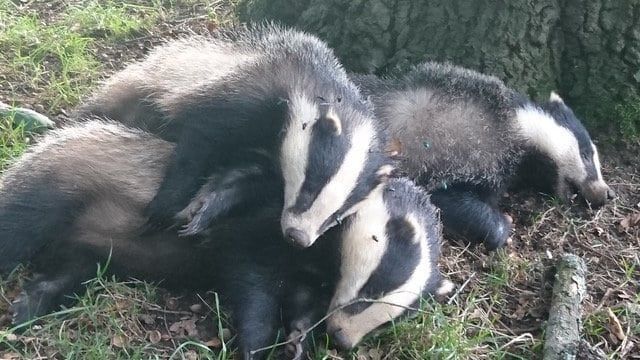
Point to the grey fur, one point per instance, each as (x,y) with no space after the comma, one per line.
(453,124)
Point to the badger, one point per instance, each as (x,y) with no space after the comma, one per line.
(262,87)
(77,198)
(462,135)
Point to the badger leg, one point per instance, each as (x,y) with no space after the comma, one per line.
(238,191)
(304,307)
(256,314)
(49,290)
(473,216)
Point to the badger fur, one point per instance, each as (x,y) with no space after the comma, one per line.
(83,203)
(262,87)
(462,135)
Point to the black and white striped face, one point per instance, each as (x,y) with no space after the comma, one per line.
(389,255)
(555,131)
(331,160)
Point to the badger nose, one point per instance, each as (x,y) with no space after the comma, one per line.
(611,194)
(297,237)
(340,340)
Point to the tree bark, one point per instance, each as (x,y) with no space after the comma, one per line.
(562,335)
(588,50)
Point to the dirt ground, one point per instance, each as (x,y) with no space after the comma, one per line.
(519,285)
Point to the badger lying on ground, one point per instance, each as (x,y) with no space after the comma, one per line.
(462,135)
(84,202)
(279,91)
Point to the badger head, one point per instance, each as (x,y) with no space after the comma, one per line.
(558,134)
(389,252)
(331,158)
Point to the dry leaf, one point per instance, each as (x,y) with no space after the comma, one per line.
(191,355)
(184,327)
(615,326)
(147,319)
(119,341)
(629,221)
(10,356)
(225,334)
(196,308)
(154,336)
(375,354)
(213,343)
(172,303)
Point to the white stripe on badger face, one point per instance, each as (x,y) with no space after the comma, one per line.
(295,146)
(554,140)
(360,253)
(596,162)
(394,303)
(335,193)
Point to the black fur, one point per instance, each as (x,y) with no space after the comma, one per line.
(111,172)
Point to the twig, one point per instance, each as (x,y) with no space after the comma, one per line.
(461,288)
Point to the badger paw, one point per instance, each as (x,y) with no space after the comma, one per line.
(200,214)
(296,340)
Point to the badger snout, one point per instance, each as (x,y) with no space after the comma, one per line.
(597,193)
(340,339)
(297,237)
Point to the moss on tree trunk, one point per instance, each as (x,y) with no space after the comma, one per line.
(589,50)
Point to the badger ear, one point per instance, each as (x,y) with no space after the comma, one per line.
(331,122)
(554,97)
(394,148)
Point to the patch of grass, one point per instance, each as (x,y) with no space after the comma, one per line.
(460,330)
(112,320)
(113,20)
(13,141)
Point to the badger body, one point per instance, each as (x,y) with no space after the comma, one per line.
(262,87)
(464,135)
(95,182)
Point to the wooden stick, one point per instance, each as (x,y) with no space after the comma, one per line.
(562,337)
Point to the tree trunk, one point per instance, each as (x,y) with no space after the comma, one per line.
(588,50)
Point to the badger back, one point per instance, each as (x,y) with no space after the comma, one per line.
(448,124)
(389,254)
(47,187)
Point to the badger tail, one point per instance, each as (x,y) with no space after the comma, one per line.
(33,213)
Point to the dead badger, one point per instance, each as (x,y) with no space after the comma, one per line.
(463,134)
(78,198)
(263,87)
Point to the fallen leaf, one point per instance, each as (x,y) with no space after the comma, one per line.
(172,303)
(154,336)
(184,327)
(225,334)
(10,356)
(119,341)
(629,221)
(375,354)
(196,308)
(614,324)
(147,319)
(213,343)
(191,355)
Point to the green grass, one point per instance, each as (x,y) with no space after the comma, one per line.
(55,57)
(13,141)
